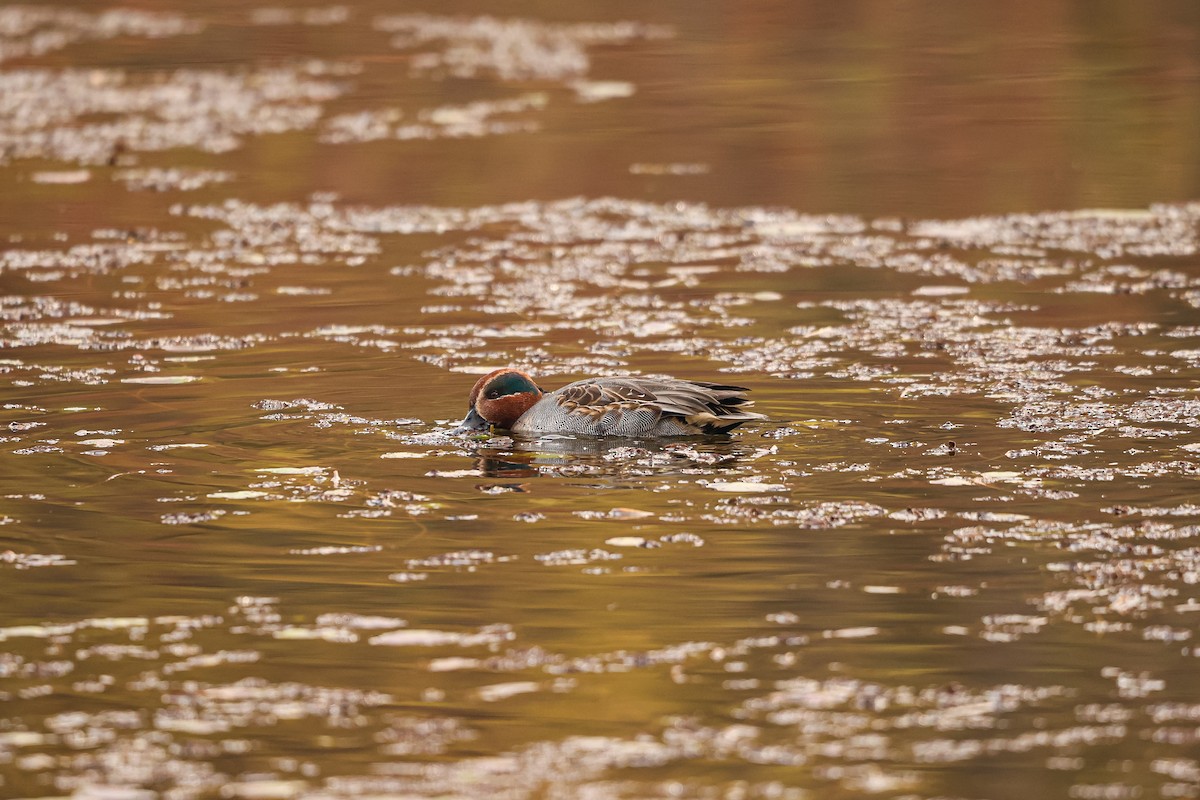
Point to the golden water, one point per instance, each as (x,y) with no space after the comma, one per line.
(252,259)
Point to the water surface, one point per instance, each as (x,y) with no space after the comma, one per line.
(253,258)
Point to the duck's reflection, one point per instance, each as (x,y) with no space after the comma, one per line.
(524,457)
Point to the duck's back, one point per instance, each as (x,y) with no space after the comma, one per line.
(636,406)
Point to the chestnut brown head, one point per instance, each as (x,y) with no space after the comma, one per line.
(499,398)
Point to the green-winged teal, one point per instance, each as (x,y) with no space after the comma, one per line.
(618,406)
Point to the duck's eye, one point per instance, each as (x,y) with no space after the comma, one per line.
(493,394)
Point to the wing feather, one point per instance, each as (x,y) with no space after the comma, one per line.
(707,407)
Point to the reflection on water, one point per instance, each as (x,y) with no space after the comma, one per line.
(252,259)
(518,456)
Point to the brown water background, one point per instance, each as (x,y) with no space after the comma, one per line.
(252,259)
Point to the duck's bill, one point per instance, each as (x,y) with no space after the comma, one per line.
(473,423)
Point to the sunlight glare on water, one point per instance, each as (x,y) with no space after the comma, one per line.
(253,258)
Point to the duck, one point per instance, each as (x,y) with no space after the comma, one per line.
(623,405)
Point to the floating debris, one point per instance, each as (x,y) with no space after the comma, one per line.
(746,486)
(34,560)
(162,380)
(170,180)
(222,109)
(674,169)
(630,541)
(30,31)
(62,176)
(245,494)
(502,691)
(507,49)
(414,637)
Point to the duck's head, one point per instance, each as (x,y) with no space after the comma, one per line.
(499,398)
